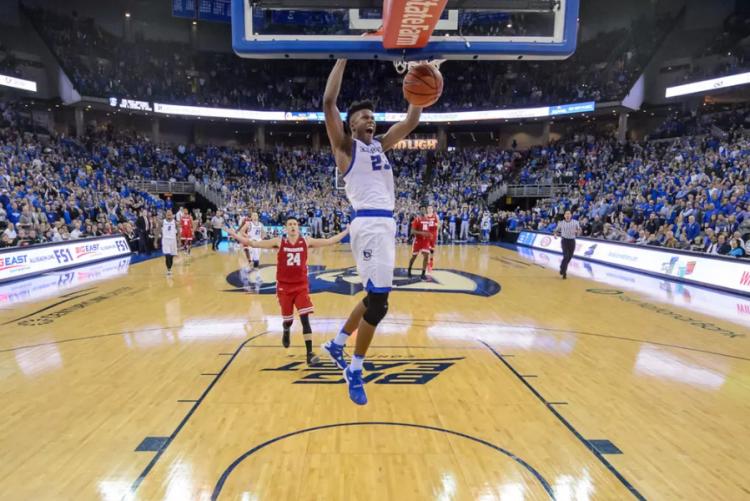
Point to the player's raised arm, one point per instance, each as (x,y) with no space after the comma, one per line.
(341,143)
(324,242)
(258,244)
(400,130)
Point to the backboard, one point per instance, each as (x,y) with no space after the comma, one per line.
(467,29)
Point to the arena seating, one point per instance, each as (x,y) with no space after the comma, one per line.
(687,193)
(103,65)
(62,188)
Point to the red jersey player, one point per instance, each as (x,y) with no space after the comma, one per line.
(186,230)
(434,228)
(425,233)
(292,286)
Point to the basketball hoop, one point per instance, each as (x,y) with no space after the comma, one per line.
(403,66)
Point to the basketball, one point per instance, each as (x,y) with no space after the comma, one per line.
(423,85)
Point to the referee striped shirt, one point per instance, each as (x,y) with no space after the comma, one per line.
(569,229)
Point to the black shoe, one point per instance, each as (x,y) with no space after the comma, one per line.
(312,359)
(423,276)
(561,272)
(285,338)
(565,276)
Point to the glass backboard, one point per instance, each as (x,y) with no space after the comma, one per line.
(508,29)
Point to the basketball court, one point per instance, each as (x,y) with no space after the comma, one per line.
(494,380)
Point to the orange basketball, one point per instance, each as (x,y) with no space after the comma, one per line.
(423,85)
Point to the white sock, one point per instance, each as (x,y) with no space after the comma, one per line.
(356,364)
(341,338)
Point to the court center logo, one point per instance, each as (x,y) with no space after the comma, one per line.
(392,370)
(346,281)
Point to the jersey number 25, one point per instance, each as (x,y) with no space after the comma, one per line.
(377,163)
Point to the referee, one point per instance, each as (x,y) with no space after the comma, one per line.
(569,229)
(217,223)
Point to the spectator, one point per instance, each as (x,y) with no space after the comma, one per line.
(722,247)
(736,249)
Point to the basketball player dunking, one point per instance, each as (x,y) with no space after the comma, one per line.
(292,285)
(361,159)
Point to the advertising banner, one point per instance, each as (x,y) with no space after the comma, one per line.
(719,272)
(17,83)
(713,84)
(389,117)
(700,299)
(20,262)
(55,283)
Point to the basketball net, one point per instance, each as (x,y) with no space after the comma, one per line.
(403,66)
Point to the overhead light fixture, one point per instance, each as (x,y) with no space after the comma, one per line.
(127,15)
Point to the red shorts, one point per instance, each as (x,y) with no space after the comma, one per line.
(421,245)
(186,235)
(289,298)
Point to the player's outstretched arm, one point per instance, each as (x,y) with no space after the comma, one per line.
(341,143)
(258,244)
(400,130)
(324,242)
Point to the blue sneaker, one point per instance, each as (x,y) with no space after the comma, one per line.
(356,386)
(336,352)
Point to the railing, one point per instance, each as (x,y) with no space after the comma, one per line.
(536,190)
(497,193)
(716,131)
(177,187)
(216,197)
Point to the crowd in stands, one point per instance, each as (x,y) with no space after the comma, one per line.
(736,27)
(689,193)
(303,185)
(728,53)
(103,65)
(8,62)
(715,119)
(59,189)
